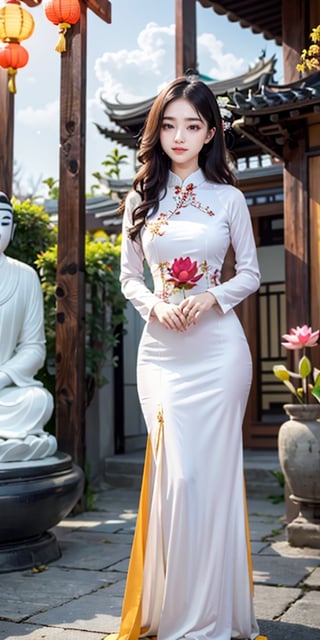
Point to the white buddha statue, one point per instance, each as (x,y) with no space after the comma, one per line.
(25,405)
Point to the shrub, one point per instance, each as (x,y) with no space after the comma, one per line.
(104,303)
(35,243)
(34,232)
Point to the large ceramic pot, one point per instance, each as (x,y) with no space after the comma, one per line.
(299,456)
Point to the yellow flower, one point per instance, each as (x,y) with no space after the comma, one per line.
(310,58)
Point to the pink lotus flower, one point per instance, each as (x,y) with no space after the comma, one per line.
(183,273)
(300,337)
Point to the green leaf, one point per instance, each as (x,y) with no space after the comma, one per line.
(316,392)
(304,367)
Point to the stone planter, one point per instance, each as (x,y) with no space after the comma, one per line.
(299,456)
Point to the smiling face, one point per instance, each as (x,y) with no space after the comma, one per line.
(182,136)
(6,226)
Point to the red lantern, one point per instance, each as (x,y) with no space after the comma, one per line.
(63,13)
(13,56)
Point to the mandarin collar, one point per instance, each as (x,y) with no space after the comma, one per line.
(196,178)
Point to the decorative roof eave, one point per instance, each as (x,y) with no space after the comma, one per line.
(133,114)
(261,73)
(275,129)
(270,118)
(257,16)
(251,79)
(126,139)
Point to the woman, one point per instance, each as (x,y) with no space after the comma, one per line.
(189,574)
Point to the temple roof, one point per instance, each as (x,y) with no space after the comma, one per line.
(260,17)
(271,117)
(130,117)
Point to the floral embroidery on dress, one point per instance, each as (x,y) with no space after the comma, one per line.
(156,227)
(183,274)
(186,196)
(212,275)
(183,196)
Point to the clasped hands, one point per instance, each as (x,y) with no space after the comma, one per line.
(180,317)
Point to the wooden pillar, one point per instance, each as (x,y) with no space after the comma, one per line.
(295,31)
(186,36)
(6,134)
(70,347)
(314,208)
(296,234)
(299,175)
(314,200)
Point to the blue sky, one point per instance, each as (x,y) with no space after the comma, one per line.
(132,58)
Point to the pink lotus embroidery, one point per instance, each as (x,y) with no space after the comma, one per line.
(183,273)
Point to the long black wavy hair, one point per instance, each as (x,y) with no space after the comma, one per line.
(151,178)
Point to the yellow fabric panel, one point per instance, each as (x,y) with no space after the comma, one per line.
(131,609)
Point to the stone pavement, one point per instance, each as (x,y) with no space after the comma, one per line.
(79,596)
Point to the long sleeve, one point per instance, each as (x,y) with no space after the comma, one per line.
(132,275)
(247,278)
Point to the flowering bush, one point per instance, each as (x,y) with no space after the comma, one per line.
(300,338)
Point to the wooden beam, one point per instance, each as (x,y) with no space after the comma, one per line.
(6,134)
(102,8)
(186,35)
(70,291)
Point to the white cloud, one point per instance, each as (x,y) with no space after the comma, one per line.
(136,74)
(47,116)
(132,75)
(214,62)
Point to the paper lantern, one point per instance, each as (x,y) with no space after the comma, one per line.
(13,56)
(16,23)
(63,13)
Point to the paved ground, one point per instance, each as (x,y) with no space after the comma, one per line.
(78,597)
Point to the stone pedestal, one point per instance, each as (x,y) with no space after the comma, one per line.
(34,497)
(299,456)
(304,532)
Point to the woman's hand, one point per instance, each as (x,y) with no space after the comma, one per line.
(170,315)
(193,307)
(188,312)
